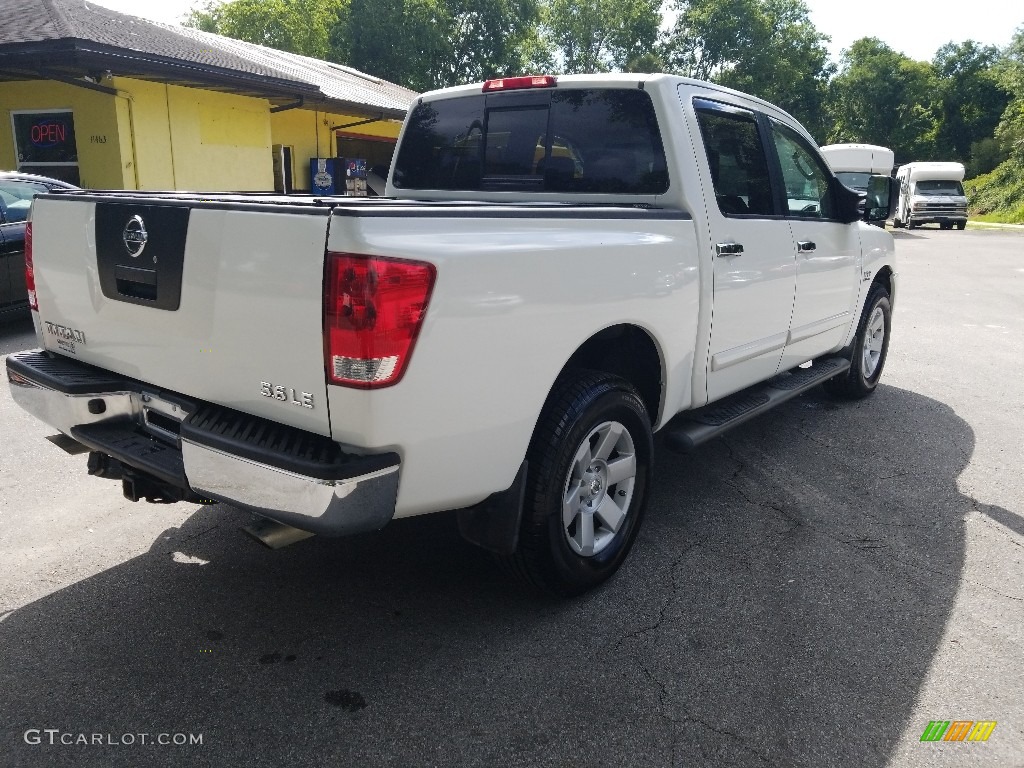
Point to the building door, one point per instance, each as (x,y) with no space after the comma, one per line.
(284,177)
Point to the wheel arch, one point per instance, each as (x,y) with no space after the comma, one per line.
(631,352)
(624,349)
(887,279)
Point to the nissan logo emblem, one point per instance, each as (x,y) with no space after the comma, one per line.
(135,236)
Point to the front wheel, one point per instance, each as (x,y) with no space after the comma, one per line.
(961,225)
(870,348)
(589,469)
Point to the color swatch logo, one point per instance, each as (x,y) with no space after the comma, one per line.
(958,730)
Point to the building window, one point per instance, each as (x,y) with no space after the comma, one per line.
(44,141)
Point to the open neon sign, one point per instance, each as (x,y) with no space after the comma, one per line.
(45,139)
(48,133)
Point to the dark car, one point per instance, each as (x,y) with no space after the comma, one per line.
(16,193)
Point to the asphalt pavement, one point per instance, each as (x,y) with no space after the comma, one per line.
(811,590)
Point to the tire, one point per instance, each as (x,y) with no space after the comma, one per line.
(961,225)
(578,526)
(946,225)
(897,223)
(870,348)
(910,224)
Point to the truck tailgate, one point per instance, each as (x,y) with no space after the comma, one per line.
(222,302)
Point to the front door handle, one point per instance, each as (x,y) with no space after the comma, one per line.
(806,246)
(729,249)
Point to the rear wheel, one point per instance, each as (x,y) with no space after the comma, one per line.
(589,469)
(870,348)
(961,224)
(946,225)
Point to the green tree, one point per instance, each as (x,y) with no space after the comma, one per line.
(883,97)
(397,40)
(296,26)
(601,35)
(1002,191)
(488,38)
(1009,72)
(971,99)
(421,44)
(427,44)
(769,48)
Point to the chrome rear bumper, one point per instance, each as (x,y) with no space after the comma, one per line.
(285,474)
(365,502)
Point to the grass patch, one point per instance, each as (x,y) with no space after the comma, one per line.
(999,218)
(998,196)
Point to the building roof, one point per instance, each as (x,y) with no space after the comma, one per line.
(67,39)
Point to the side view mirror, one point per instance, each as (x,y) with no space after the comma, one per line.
(849,202)
(879,198)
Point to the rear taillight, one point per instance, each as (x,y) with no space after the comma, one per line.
(373,311)
(30,273)
(518,83)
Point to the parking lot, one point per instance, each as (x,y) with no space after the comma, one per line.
(811,590)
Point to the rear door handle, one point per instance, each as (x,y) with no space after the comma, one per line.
(806,246)
(729,249)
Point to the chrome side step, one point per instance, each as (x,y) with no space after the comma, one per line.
(693,428)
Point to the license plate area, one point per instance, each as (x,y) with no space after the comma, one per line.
(159,416)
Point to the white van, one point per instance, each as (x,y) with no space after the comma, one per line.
(931,193)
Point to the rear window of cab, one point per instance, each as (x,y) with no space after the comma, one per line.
(563,140)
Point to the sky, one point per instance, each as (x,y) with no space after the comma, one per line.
(914,27)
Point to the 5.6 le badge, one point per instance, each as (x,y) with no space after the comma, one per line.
(286,394)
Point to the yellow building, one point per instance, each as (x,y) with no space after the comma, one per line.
(111,101)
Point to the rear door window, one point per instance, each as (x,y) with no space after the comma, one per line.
(576,141)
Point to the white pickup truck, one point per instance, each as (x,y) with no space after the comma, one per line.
(562,266)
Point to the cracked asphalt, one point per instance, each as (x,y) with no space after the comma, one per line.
(811,590)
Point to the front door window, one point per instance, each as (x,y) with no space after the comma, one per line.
(808,193)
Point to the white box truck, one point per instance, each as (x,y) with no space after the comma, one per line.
(859,167)
(931,193)
(855,164)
